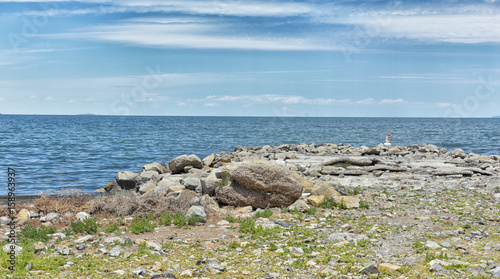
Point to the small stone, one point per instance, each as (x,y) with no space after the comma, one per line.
(29,266)
(187,273)
(157,267)
(311,263)
(12,247)
(283,224)
(272,275)
(297,250)
(388,266)
(37,247)
(371,269)
(120,272)
(115,252)
(82,216)
(432,245)
(445,244)
(223,223)
(164,275)
(139,271)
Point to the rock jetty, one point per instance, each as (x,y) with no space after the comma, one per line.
(287,211)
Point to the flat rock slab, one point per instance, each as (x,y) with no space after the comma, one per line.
(357,161)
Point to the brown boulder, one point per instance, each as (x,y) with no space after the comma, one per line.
(260,186)
(178,163)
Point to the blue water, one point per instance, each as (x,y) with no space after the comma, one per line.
(51,152)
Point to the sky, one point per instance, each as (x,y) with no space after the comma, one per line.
(251,58)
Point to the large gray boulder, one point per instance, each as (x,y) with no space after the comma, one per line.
(147,177)
(260,186)
(127,180)
(157,167)
(178,163)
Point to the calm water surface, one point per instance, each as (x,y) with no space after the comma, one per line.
(51,152)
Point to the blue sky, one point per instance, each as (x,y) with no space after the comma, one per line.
(251,58)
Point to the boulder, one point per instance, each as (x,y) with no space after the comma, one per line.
(315,200)
(299,205)
(260,186)
(306,184)
(23,217)
(372,151)
(357,161)
(178,163)
(197,210)
(157,167)
(147,177)
(127,180)
(457,153)
(146,187)
(350,202)
(210,183)
(324,189)
(112,187)
(209,160)
(192,183)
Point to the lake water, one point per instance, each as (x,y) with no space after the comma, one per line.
(52,152)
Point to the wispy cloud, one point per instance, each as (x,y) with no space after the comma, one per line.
(246,100)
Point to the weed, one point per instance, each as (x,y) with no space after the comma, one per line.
(311,211)
(194,219)
(224,182)
(273,247)
(263,214)
(231,219)
(111,228)
(332,203)
(234,245)
(89,226)
(36,234)
(145,224)
(363,204)
(67,231)
(165,219)
(247,226)
(179,219)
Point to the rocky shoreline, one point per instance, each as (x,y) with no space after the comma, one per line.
(289,211)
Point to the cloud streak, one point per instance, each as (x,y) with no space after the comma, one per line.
(214,100)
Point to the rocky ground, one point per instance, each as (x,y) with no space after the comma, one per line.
(288,211)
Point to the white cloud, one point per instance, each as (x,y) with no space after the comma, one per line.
(219,8)
(193,35)
(391,101)
(264,99)
(367,101)
(49,98)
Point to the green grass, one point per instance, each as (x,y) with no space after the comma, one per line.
(179,219)
(144,224)
(224,182)
(233,245)
(89,226)
(165,219)
(263,214)
(311,210)
(332,203)
(194,219)
(231,219)
(247,226)
(31,233)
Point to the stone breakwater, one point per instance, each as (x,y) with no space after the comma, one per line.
(274,176)
(291,211)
